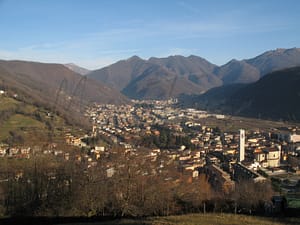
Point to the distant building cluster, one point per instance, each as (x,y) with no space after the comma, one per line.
(226,157)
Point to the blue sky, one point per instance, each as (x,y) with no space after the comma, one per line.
(96,33)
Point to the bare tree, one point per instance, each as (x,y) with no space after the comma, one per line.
(249,196)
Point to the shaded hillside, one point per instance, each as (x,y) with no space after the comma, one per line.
(192,69)
(120,74)
(237,72)
(275,96)
(196,75)
(251,70)
(131,76)
(185,65)
(158,83)
(54,83)
(216,99)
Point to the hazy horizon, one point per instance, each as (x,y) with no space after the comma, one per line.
(95,34)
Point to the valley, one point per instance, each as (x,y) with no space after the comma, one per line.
(81,137)
(150,112)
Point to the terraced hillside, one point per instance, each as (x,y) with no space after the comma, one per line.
(24,124)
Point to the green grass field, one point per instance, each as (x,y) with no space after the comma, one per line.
(20,123)
(30,122)
(8,103)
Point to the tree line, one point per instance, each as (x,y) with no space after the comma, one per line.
(137,187)
(165,139)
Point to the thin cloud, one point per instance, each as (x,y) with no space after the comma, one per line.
(97,49)
(188,7)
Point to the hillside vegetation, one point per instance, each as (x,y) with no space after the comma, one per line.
(54,86)
(26,124)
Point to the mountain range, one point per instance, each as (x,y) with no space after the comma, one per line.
(218,88)
(274,96)
(77,69)
(54,86)
(162,78)
(159,78)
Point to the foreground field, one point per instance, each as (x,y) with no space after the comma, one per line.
(203,219)
(223,219)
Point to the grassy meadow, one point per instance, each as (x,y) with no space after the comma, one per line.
(202,219)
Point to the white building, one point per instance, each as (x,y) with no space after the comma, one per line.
(242,145)
(294,138)
(268,157)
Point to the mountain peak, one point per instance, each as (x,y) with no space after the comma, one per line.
(277,59)
(70,64)
(77,69)
(195,57)
(280,49)
(151,77)
(233,61)
(134,58)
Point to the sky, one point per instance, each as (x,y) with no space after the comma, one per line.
(96,33)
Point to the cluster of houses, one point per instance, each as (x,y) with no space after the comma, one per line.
(129,121)
(16,152)
(224,156)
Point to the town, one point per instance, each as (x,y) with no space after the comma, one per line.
(266,150)
(167,137)
(226,157)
